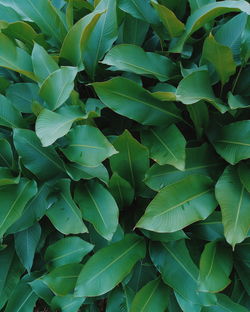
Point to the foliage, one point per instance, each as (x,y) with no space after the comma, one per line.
(124,155)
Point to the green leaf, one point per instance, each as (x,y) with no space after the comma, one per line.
(98,207)
(132,58)
(199,160)
(13,199)
(44,14)
(232,141)
(225,304)
(81,29)
(205,14)
(101,37)
(132,161)
(23,299)
(179,271)
(65,251)
(220,56)
(234,201)
(6,155)
(51,126)
(43,63)
(140,9)
(109,265)
(43,162)
(57,88)
(127,98)
(14,58)
(196,4)
(62,279)
(187,305)
(6,177)
(8,14)
(87,146)
(166,146)
(179,205)
(165,237)
(22,95)
(9,116)
(26,243)
(152,297)
(215,267)
(173,25)
(121,190)
(42,290)
(67,303)
(70,220)
(196,87)
(199,114)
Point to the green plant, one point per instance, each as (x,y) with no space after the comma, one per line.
(124,155)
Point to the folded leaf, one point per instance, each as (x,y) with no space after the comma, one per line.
(127,98)
(225,304)
(110,265)
(132,58)
(179,205)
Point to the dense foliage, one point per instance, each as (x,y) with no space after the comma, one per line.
(124,155)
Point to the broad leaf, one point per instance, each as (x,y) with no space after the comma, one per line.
(234,201)
(132,161)
(70,221)
(152,297)
(56,89)
(98,207)
(66,250)
(13,199)
(9,116)
(6,155)
(121,190)
(127,98)
(166,146)
(225,304)
(215,267)
(67,303)
(179,204)
(26,243)
(43,162)
(132,58)
(220,57)
(87,146)
(109,265)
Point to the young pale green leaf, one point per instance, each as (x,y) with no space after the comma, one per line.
(65,251)
(100,37)
(166,146)
(179,271)
(220,56)
(45,15)
(121,190)
(140,9)
(234,201)
(207,13)
(22,299)
(98,207)
(216,264)
(232,142)
(132,58)
(62,279)
(152,297)
(14,199)
(179,205)
(129,99)
(78,172)
(132,161)
(199,160)
(43,63)
(225,304)
(22,95)
(26,243)
(58,86)
(51,126)
(9,115)
(109,266)
(64,213)
(87,146)
(196,87)
(173,25)
(14,58)
(43,162)
(67,303)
